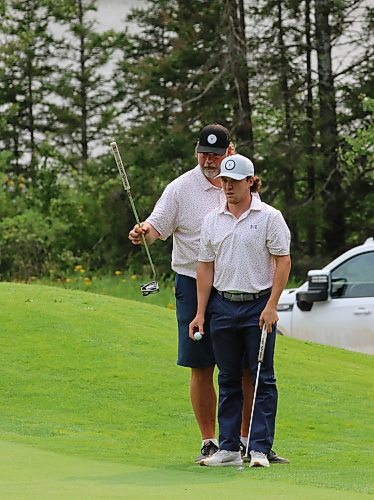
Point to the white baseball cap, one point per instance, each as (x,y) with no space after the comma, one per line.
(237,167)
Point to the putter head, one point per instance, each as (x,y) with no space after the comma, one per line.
(148,288)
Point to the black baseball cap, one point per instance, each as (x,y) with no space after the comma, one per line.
(213,138)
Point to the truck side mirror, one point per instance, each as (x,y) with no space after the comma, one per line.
(318,290)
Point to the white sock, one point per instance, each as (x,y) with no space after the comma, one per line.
(206,441)
(244,440)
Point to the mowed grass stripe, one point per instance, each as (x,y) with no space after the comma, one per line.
(94,376)
(29,473)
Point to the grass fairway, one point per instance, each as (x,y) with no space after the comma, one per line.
(93,406)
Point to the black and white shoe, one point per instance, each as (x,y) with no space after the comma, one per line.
(207,450)
(276,459)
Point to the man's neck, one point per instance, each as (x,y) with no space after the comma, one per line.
(238,209)
(214,181)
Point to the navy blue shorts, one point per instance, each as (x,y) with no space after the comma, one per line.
(191,353)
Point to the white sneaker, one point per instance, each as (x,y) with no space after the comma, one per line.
(259,459)
(223,458)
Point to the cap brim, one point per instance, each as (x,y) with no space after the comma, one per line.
(211,149)
(236,177)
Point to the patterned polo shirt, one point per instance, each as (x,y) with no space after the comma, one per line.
(180,212)
(242,248)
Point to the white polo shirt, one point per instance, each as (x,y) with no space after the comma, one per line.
(242,248)
(180,212)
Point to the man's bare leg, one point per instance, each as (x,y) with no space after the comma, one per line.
(204,400)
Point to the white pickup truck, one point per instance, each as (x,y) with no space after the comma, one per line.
(336,305)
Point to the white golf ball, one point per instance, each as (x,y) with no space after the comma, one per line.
(197,336)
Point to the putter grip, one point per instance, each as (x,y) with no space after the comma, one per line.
(261,351)
(120,166)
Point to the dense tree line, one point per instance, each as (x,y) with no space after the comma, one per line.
(290,79)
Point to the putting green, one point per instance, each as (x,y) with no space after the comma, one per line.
(93,406)
(28,473)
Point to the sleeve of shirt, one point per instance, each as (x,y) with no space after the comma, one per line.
(206,253)
(164,215)
(279,236)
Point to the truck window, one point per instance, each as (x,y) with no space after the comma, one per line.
(354,277)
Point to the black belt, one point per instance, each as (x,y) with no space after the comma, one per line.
(242,297)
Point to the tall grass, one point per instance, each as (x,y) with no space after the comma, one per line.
(120,284)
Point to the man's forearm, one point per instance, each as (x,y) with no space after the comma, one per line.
(204,275)
(144,229)
(281,274)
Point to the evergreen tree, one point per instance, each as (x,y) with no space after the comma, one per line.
(84,107)
(334,222)
(238,56)
(310,135)
(25,80)
(176,78)
(274,37)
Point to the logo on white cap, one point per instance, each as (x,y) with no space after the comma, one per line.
(212,139)
(230,165)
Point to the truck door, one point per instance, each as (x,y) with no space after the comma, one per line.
(346,319)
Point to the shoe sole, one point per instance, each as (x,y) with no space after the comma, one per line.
(277,460)
(257,464)
(223,464)
(199,459)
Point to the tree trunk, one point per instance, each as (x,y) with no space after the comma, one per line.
(311,222)
(242,127)
(83,88)
(289,184)
(334,229)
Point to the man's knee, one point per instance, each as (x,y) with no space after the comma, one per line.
(202,375)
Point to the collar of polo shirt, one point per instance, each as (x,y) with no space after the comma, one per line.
(256,204)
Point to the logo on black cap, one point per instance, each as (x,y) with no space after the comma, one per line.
(214,138)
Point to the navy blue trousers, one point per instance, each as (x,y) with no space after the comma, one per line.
(235,333)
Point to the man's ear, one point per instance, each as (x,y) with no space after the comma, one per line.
(230,150)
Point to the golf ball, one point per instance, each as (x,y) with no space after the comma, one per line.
(197,336)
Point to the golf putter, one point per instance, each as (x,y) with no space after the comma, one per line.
(152,286)
(260,359)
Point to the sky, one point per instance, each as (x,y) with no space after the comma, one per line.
(111,13)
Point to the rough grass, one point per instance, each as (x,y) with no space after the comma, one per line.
(92,377)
